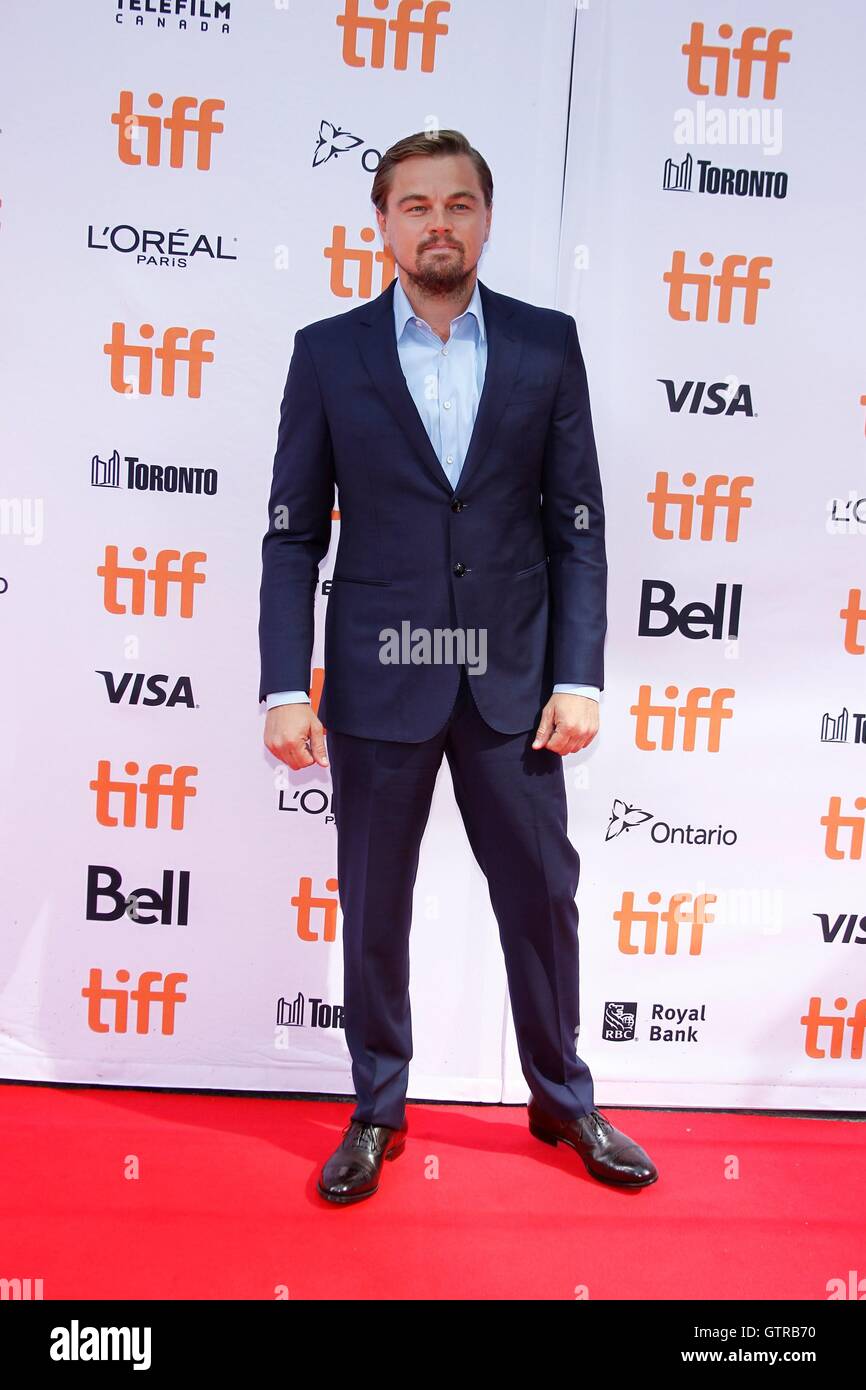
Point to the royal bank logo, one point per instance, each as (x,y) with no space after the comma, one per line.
(619,1021)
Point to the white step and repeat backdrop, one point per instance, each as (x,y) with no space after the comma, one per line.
(186,184)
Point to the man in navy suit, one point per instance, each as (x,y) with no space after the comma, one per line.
(467,617)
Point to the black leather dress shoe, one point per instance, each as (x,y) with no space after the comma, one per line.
(607,1153)
(352,1171)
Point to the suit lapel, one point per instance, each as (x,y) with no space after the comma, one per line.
(378,345)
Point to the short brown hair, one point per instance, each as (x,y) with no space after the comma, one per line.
(438,142)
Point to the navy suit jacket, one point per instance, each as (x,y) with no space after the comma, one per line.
(518,549)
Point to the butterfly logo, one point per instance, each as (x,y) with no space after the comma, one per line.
(333,141)
(624,817)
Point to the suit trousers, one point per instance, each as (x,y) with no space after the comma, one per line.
(512,801)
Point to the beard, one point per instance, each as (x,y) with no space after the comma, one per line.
(440,273)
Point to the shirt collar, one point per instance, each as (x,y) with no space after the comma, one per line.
(403,310)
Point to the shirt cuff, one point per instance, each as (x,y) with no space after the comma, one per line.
(591,691)
(287,697)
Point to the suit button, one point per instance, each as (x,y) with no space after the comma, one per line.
(459,568)
(457,505)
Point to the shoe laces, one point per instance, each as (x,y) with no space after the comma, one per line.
(365,1133)
(601,1124)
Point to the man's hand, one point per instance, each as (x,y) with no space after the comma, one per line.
(568,723)
(289,729)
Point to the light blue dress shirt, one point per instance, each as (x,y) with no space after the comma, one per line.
(445,381)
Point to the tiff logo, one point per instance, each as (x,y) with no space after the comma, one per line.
(746,55)
(674,916)
(711,712)
(365,260)
(162,783)
(815,1021)
(178,125)
(721,495)
(143,996)
(403,26)
(726,281)
(853,617)
(168,355)
(834,823)
(305,902)
(183,579)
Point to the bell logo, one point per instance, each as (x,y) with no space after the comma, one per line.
(143,996)
(305,902)
(161,783)
(183,578)
(746,54)
(365,259)
(834,822)
(119,351)
(179,124)
(403,26)
(726,282)
(675,915)
(712,711)
(720,495)
(814,1022)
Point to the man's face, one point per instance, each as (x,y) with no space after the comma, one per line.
(436,222)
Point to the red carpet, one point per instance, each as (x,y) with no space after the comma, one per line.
(224,1205)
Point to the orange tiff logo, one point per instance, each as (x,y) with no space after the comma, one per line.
(404,25)
(853,617)
(144,996)
(746,55)
(815,1020)
(364,259)
(834,823)
(162,783)
(727,280)
(179,125)
(720,496)
(163,573)
(674,916)
(697,707)
(304,901)
(168,354)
